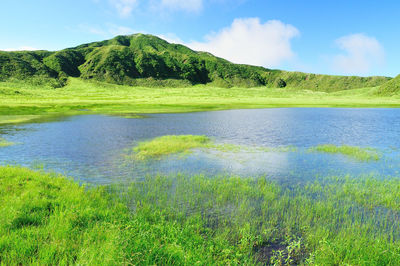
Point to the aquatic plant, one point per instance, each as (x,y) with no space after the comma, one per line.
(171,144)
(175,144)
(5,143)
(358,153)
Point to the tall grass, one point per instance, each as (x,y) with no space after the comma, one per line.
(179,219)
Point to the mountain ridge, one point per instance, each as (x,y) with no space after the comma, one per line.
(141,59)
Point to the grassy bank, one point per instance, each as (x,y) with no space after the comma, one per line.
(47,219)
(22,102)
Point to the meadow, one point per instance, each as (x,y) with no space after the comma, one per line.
(22,102)
(46,218)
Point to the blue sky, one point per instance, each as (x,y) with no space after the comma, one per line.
(349,37)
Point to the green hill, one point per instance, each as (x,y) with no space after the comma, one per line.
(147,60)
(391,87)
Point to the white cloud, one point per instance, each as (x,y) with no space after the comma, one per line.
(124,7)
(187,5)
(248,41)
(362,53)
(21,48)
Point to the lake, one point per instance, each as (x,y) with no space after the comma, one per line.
(94,148)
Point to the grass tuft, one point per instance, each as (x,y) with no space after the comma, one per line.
(183,144)
(358,153)
(5,143)
(167,145)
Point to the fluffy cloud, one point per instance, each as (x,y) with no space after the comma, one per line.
(187,5)
(362,53)
(124,7)
(248,41)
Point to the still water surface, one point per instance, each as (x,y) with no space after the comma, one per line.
(92,148)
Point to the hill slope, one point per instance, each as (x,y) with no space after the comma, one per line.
(391,87)
(148,60)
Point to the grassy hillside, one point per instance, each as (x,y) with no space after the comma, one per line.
(146,60)
(391,87)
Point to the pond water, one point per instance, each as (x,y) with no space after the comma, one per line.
(93,148)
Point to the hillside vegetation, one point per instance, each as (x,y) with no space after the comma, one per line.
(146,60)
(391,87)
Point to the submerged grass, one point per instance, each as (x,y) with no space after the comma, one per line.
(5,143)
(47,219)
(358,153)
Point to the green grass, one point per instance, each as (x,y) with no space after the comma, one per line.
(88,97)
(167,145)
(184,144)
(358,153)
(48,219)
(5,143)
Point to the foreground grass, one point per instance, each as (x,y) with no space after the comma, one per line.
(22,102)
(358,153)
(45,219)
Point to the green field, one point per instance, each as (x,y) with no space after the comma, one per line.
(48,219)
(21,102)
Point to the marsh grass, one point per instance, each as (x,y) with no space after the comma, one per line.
(358,153)
(327,221)
(184,144)
(46,219)
(166,145)
(235,148)
(5,143)
(187,220)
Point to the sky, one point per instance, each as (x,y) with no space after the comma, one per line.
(341,37)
